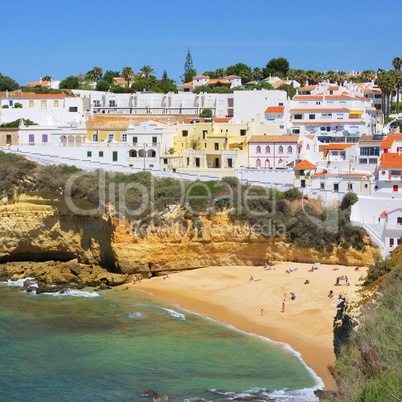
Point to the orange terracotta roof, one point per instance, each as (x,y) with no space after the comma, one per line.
(390,160)
(217,81)
(334,147)
(42,96)
(274,138)
(297,122)
(38,83)
(275,109)
(308,88)
(319,109)
(389,140)
(232,76)
(305,164)
(186,84)
(383,213)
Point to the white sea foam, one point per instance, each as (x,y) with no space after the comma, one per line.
(71,292)
(20,282)
(174,313)
(136,314)
(319,384)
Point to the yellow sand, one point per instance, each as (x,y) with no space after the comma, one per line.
(227,294)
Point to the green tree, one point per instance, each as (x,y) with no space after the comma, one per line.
(7,83)
(102,85)
(220,72)
(128,74)
(278,67)
(367,75)
(298,75)
(240,69)
(206,113)
(109,75)
(189,70)
(210,74)
(47,78)
(257,73)
(397,63)
(95,74)
(165,84)
(386,83)
(71,82)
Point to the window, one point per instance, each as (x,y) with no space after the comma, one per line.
(296,131)
(280,150)
(184,133)
(318,103)
(89,154)
(56,103)
(350,187)
(322,186)
(112,103)
(73,109)
(399,220)
(336,187)
(43,104)
(339,116)
(243,132)
(290,150)
(267,149)
(154,140)
(204,134)
(323,128)
(31,103)
(132,153)
(258,163)
(10,103)
(124,137)
(44,138)
(216,146)
(135,140)
(311,116)
(391,242)
(308,147)
(114,156)
(110,137)
(298,116)
(100,154)
(31,138)
(95,137)
(258,149)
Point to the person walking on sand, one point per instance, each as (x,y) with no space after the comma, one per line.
(283,307)
(347,281)
(262,311)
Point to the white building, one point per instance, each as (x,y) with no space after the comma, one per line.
(43,109)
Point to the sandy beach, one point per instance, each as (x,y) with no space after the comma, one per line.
(252,298)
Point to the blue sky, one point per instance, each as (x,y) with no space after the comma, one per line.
(62,38)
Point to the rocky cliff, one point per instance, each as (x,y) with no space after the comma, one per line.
(42,228)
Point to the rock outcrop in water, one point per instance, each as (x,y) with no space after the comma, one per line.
(42,228)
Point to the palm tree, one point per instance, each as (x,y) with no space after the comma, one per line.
(127,73)
(257,73)
(386,83)
(95,74)
(46,78)
(220,72)
(397,76)
(146,71)
(397,63)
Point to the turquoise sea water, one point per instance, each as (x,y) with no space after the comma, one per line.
(114,345)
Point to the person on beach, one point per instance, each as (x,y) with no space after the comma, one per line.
(251,278)
(330,294)
(262,311)
(134,280)
(292,296)
(284,296)
(347,281)
(283,307)
(306,282)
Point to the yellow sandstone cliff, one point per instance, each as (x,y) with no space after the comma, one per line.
(38,229)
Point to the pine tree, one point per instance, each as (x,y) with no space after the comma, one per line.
(189,71)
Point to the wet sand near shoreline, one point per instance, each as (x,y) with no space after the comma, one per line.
(251,299)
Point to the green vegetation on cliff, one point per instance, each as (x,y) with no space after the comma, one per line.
(142,197)
(369,366)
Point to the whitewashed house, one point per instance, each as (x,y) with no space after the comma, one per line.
(273,152)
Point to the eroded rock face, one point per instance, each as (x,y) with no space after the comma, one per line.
(38,230)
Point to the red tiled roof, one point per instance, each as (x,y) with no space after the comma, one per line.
(42,96)
(275,109)
(305,164)
(274,138)
(389,140)
(335,147)
(390,160)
